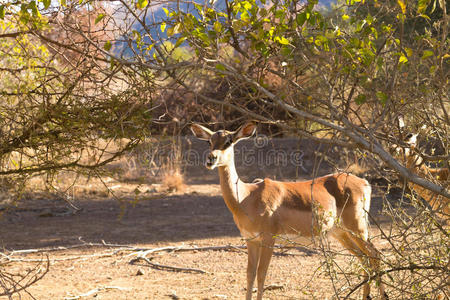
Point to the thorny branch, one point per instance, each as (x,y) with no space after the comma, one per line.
(11,284)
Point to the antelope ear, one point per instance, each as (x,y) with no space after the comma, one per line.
(245,131)
(201,132)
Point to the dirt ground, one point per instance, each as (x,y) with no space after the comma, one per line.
(196,218)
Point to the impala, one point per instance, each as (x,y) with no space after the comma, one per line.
(264,210)
(414,162)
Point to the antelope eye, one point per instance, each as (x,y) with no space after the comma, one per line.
(228,143)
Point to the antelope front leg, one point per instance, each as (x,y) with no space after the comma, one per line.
(252,263)
(266,250)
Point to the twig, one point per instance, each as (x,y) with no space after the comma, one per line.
(17,283)
(96,290)
(84,257)
(165,267)
(411,268)
(272,287)
(187,249)
(84,244)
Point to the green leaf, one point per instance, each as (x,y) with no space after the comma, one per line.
(427,53)
(403,59)
(107,45)
(312,19)
(99,18)
(34,9)
(46,3)
(63,2)
(220,67)
(174,30)
(382,97)
(237,25)
(282,40)
(422,6)
(180,41)
(345,17)
(425,17)
(263,12)
(245,16)
(137,36)
(166,11)
(15,163)
(286,51)
(401,17)
(247,5)
(262,48)
(163,26)
(434,7)
(279,14)
(2,12)
(204,37)
(360,99)
(170,31)
(433,69)
(217,26)
(301,19)
(409,52)
(142,4)
(402,5)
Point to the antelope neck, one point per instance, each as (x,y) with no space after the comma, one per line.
(232,187)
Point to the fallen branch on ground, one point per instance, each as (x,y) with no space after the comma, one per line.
(272,287)
(145,252)
(165,267)
(96,290)
(9,258)
(82,245)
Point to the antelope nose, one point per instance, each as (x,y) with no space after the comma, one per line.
(211,159)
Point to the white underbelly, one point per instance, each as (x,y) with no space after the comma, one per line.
(293,240)
(284,239)
(255,236)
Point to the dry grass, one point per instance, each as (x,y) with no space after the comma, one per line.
(152,164)
(173,180)
(172,177)
(129,169)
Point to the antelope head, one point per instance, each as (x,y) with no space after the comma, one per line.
(222,142)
